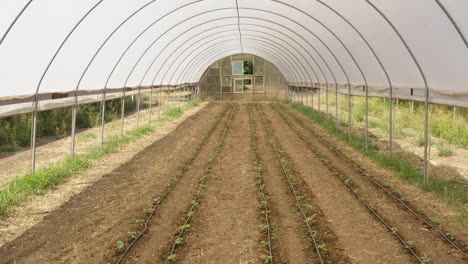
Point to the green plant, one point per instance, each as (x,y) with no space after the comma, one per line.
(444,150)
(425,259)
(120,244)
(322,247)
(172,257)
(27,185)
(266,258)
(410,244)
(451,235)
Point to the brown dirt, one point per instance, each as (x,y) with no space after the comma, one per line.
(427,241)
(363,238)
(84,228)
(226,226)
(159,237)
(290,233)
(432,205)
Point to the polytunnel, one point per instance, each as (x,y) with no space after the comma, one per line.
(65,54)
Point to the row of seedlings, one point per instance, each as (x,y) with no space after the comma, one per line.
(409,245)
(446,236)
(156,202)
(172,257)
(267,257)
(309,219)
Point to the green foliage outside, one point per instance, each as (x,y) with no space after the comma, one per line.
(452,192)
(23,187)
(407,122)
(16,130)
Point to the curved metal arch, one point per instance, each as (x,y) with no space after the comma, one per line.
(269,53)
(184,61)
(279,25)
(347,77)
(454,23)
(197,60)
(202,69)
(287,67)
(14,21)
(200,57)
(38,87)
(99,50)
(385,71)
(423,75)
(302,55)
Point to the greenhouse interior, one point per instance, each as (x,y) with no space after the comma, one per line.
(234,131)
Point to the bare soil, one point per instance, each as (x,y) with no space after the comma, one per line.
(225,228)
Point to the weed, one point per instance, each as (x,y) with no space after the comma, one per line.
(23,187)
(453,193)
(444,150)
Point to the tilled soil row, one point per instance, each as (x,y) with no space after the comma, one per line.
(263,196)
(418,236)
(362,237)
(84,229)
(197,199)
(156,243)
(319,238)
(131,237)
(226,226)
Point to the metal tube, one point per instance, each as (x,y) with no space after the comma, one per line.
(14,21)
(33,137)
(423,76)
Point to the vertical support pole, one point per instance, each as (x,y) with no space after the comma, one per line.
(367,117)
(312,97)
(150,105)
(138,108)
(103,116)
(319,95)
(167,100)
(454,113)
(426,135)
(350,128)
(412,107)
(122,114)
(336,108)
(73,132)
(33,136)
(160,102)
(326,102)
(390,125)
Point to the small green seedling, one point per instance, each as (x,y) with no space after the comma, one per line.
(322,247)
(172,257)
(311,218)
(179,240)
(140,221)
(120,244)
(386,185)
(266,258)
(434,219)
(425,259)
(132,234)
(394,230)
(185,227)
(410,244)
(406,198)
(451,235)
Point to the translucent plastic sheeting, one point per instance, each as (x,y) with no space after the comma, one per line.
(127,43)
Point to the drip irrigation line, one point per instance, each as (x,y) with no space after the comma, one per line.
(286,174)
(386,190)
(260,182)
(348,184)
(171,186)
(202,182)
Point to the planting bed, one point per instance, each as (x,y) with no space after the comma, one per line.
(238,183)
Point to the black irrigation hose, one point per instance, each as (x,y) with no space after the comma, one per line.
(201,185)
(365,174)
(286,174)
(346,182)
(171,185)
(260,183)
